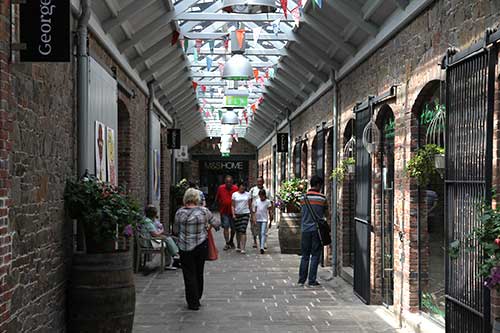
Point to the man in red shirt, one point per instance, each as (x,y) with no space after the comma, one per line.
(224,201)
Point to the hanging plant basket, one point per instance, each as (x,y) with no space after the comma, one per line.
(439,161)
(351,168)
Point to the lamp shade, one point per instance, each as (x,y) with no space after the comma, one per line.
(249,6)
(237,68)
(230,118)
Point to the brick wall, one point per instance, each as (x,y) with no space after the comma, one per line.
(410,60)
(134,171)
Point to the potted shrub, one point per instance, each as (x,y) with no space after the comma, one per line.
(288,200)
(424,164)
(350,163)
(101,291)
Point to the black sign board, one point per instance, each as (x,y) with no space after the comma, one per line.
(173,138)
(45,30)
(282,142)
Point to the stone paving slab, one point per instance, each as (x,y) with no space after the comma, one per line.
(253,293)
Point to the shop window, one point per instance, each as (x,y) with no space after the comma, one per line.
(303,160)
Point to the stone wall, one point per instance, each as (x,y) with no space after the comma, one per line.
(37,155)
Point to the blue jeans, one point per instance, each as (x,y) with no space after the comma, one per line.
(263,233)
(311,251)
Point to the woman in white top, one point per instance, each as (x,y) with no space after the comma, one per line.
(241,214)
(262,212)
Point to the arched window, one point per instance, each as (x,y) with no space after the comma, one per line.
(303,160)
(296,160)
(124,158)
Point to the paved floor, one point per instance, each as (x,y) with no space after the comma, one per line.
(253,293)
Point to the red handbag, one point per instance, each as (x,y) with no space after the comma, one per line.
(213,253)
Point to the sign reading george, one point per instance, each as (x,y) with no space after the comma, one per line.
(45,31)
(282,142)
(173,138)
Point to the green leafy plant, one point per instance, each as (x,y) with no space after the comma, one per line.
(421,166)
(339,172)
(291,192)
(105,211)
(180,188)
(488,238)
(429,303)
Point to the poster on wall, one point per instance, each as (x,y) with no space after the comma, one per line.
(156,173)
(110,141)
(100,151)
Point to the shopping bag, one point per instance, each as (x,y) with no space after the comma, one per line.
(213,253)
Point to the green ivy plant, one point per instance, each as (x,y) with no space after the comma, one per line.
(338,174)
(103,209)
(180,188)
(421,166)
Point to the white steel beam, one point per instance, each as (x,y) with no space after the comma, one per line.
(210,17)
(126,13)
(144,33)
(370,7)
(171,59)
(249,36)
(353,15)
(248,52)
(161,45)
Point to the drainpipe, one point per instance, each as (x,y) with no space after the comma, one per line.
(150,141)
(172,159)
(82,59)
(334,183)
(289,123)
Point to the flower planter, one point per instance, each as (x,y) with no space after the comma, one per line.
(289,233)
(101,295)
(439,161)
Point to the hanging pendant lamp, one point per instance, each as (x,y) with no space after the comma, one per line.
(249,6)
(230,118)
(237,68)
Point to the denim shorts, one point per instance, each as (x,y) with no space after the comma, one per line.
(227,221)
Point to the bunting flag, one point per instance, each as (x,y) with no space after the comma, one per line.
(200,109)
(301,8)
(197,44)
(186,45)
(260,81)
(209,63)
(284,6)
(208,114)
(267,74)
(195,85)
(204,102)
(256,34)
(296,15)
(211,92)
(276,26)
(256,74)
(245,116)
(250,86)
(211,44)
(204,88)
(220,114)
(175,37)
(254,107)
(240,36)
(226,42)
(221,68)
(319,3)
(260,100)
(195,55)
(271,72)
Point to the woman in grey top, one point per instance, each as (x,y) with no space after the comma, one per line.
(193,223)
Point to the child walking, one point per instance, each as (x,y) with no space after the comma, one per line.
(262,214)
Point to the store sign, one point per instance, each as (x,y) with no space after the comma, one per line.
(236,101)
(282,142)
(173,138)
(45,31)
(220,165)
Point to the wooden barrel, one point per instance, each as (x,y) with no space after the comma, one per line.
(101,295)
(289,233)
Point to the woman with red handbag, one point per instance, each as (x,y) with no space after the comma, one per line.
(193,222)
